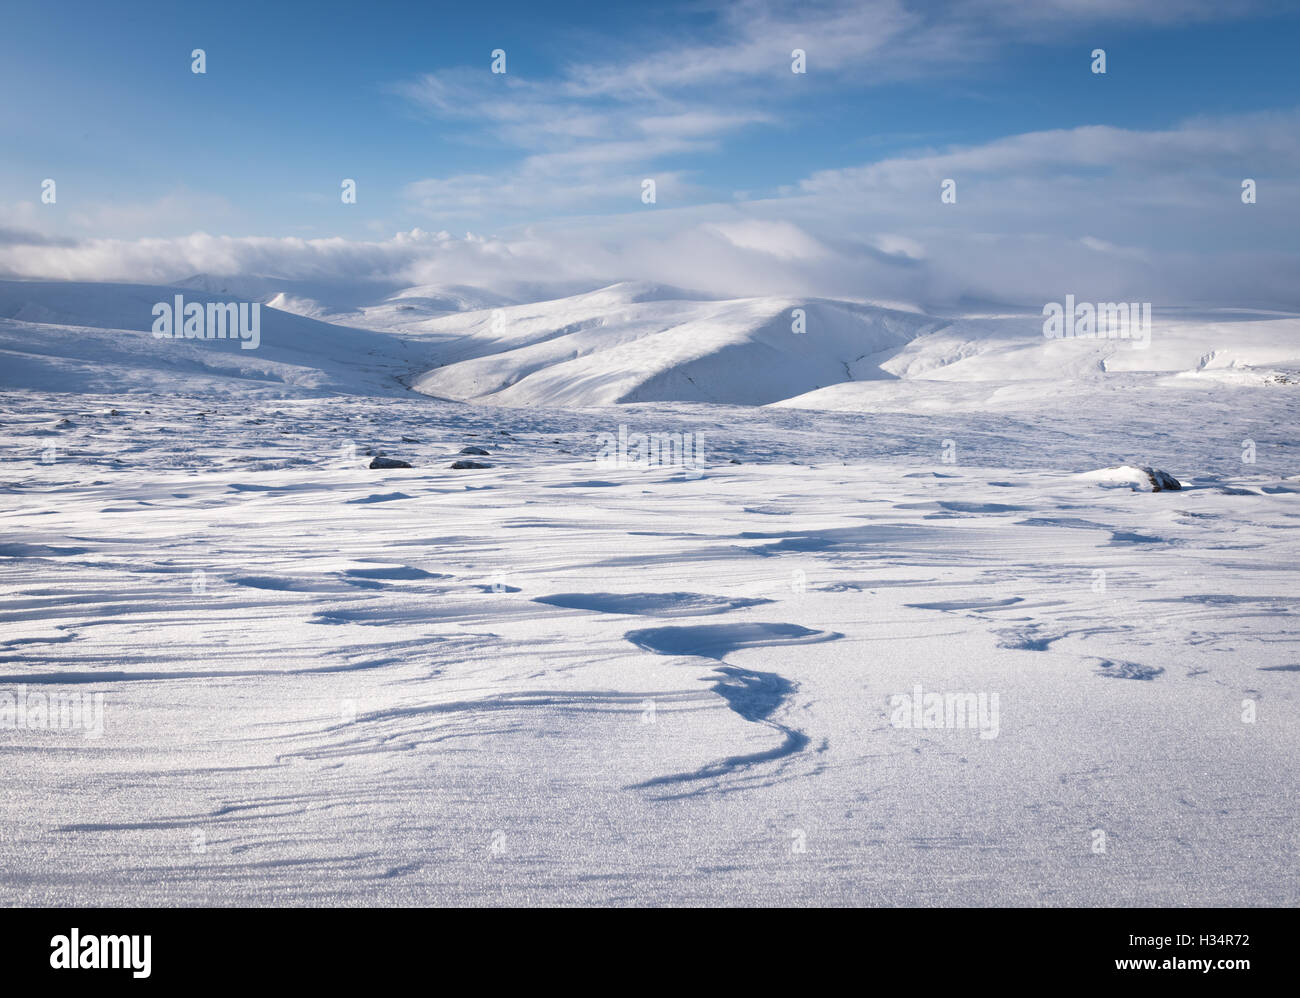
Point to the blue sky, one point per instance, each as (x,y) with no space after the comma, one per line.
(700,97)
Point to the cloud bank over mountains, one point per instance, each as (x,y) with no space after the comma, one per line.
(1100,211)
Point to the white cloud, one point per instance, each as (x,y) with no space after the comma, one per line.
(1104,213)
(70,216)
(653,103)
(778,239)
(572,154)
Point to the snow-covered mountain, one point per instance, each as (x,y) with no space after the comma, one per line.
(629,342)
(637,343)
(98,337)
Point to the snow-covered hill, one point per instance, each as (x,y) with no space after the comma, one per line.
(1004,362)
(97,337)
(629,342)
(639,343)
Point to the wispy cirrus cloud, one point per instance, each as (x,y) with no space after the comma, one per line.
(572,153)
(652,105)
(588,135)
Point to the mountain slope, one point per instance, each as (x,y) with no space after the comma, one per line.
(97,337)
(626,343)
(638,343)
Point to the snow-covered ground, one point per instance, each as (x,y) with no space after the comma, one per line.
(555,680)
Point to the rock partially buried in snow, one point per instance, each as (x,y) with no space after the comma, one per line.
(1162,481)
(476,451)
(464,465)
(1137,477)
(388,462)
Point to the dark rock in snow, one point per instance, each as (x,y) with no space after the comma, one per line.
(1162,480)
(464,465)
(388,462)
(476,451)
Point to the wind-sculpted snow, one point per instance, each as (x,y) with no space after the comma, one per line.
(650,604)
(719,640)
(755,696)
(566,679)
(549,682)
